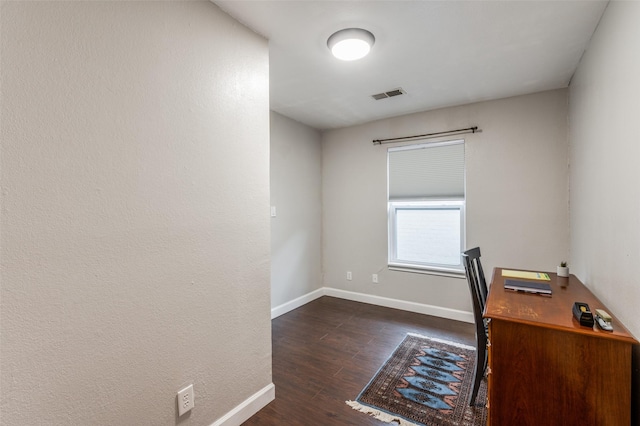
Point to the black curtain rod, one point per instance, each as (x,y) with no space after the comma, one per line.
(429,135)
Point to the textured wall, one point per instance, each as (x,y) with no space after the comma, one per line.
(516,189)
(296,192)
(135,199)
(605,199)
(604,105)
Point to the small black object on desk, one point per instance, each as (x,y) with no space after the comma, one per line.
(583,314)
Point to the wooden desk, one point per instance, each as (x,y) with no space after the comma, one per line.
(546,369)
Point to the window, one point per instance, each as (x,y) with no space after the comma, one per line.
(427,207)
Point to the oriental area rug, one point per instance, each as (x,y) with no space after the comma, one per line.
(426,381)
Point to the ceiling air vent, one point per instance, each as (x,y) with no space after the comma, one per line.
(389,94)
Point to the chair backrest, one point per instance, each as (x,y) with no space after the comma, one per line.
(474,269)
(478,308)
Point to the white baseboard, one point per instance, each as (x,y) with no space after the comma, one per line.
(296,303)
(248,408)
(404,305)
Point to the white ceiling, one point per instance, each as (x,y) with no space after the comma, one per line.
(442,53)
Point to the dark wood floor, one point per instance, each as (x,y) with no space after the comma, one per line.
(326,351)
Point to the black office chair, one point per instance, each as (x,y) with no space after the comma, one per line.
(478,289)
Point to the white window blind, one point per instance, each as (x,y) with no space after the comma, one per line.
(428,171)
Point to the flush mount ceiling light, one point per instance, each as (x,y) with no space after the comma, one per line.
(351,43)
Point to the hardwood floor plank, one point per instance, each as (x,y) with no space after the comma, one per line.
(326,351)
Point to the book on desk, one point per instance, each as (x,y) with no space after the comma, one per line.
(528,286)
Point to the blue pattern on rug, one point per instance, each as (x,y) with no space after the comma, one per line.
(437,353)
(424,399)
(439,363)
(433,373)
(429,385)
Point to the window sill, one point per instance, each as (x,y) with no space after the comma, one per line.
(451,273)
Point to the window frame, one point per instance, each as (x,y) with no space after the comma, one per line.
(434,202)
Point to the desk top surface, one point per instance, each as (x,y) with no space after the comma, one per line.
(553,312)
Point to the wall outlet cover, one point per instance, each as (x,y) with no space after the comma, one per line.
(185,400)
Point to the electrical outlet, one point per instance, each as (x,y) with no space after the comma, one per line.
(349,276)
(374,278)
(185,400)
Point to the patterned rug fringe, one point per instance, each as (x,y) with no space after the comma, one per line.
(380,415)
(447,342)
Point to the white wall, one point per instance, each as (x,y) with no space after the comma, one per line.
(296,192)
(605,196)
(135,212)
(517,200)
